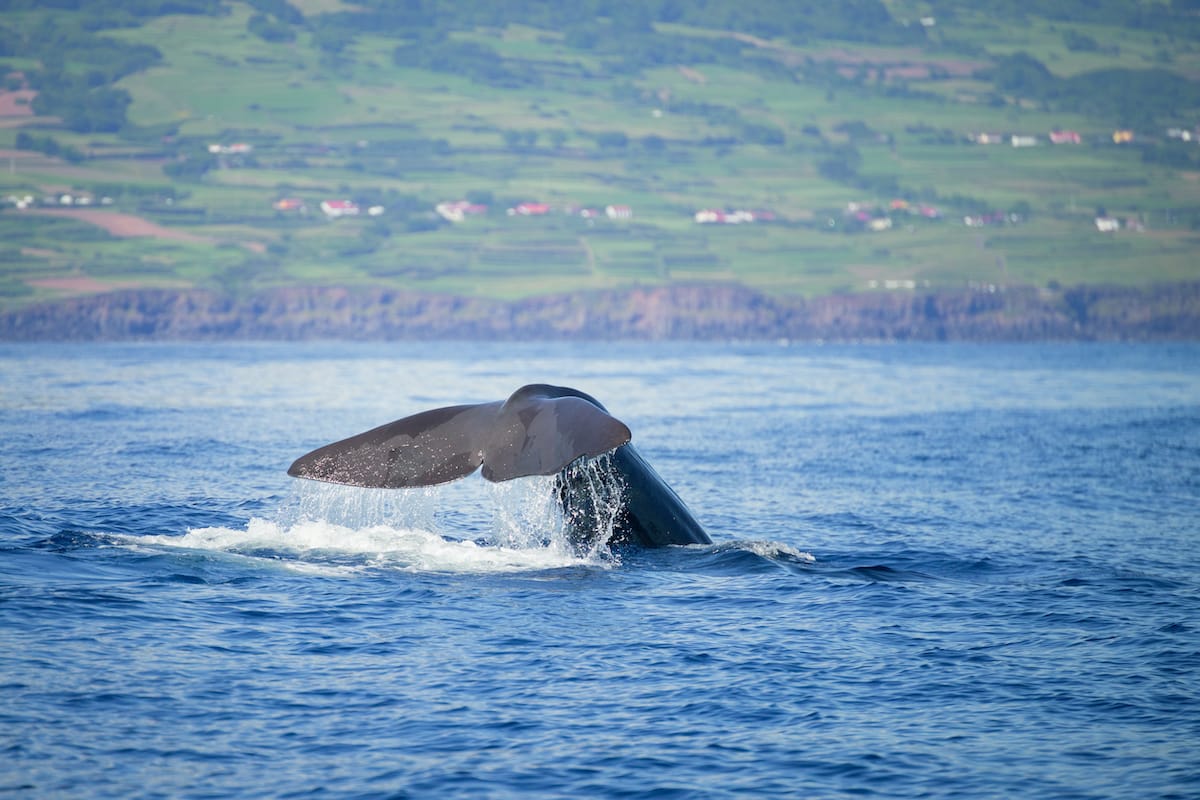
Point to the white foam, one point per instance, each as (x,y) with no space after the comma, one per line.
(775,550)
(466,526)
(322,547)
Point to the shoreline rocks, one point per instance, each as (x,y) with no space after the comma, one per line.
(699,312)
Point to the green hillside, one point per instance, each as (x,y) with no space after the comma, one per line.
(151,142)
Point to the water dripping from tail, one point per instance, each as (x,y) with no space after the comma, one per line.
(575,513)
(525,515)
(591,495)
(357,508)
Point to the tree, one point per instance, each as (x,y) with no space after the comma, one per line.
(612,140)
(769,135)
(654,143)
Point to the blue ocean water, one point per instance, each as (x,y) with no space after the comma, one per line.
(937,571)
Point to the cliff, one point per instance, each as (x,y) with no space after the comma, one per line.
(701,312)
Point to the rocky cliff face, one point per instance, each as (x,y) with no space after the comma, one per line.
(706,311)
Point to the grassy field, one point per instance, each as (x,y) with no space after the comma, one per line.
(666,141)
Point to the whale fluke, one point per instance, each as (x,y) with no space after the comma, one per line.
(539,430)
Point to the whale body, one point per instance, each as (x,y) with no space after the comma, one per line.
(538,430)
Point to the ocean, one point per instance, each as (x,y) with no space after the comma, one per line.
(937,571)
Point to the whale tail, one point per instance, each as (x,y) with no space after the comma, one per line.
(539,430)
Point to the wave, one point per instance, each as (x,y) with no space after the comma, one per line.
(742,556)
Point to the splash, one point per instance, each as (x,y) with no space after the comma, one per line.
(322,547)
(463,526)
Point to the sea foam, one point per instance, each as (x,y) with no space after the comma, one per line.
(460,527)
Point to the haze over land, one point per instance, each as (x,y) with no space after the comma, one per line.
(506,154)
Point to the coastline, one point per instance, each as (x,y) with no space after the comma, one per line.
(1165,312)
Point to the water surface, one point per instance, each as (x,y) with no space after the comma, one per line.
(937,571)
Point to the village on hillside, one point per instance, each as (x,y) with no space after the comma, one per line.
(857,216)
